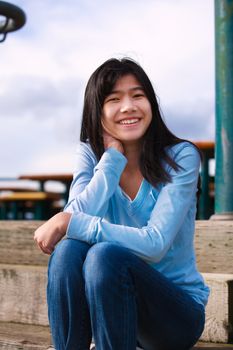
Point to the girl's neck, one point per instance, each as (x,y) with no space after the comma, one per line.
(131,178)
(132,153)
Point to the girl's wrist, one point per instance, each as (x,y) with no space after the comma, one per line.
(63,222)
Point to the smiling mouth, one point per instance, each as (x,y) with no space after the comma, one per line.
(129,121)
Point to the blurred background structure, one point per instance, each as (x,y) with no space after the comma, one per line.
(13,18)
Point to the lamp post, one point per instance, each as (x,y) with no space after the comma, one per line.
(11,18)
(224,110)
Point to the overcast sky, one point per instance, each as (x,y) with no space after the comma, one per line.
(44,68)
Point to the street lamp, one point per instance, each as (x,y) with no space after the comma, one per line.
(11,18)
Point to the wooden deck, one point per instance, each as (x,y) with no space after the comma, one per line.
(23,312)
(16,336)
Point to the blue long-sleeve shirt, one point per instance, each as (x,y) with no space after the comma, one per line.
(158,225)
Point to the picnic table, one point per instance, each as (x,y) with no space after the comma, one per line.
(65,179)
(16,205)
(17,202)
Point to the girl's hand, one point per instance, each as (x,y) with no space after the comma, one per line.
(50,233)
(110,141)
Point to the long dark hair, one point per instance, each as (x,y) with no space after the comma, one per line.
(157,136)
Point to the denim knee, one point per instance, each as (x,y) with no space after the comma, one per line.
(103,262)
(67,258)
(67,308)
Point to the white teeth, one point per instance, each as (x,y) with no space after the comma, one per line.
(129,121)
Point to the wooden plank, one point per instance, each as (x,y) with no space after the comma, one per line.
(23,294)
(17,245)
(23,299)
(29,196)
(25,286)
(48,177)
(219,317)
(7,189)
(205,146)
(15,336)
(212,346)
(214,246)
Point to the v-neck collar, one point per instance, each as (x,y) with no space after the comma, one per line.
(135,203)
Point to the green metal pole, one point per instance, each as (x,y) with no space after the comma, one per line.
(224,109)
(204,201)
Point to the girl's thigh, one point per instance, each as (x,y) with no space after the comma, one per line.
(168,317)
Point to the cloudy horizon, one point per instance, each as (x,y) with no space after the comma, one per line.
(45,67)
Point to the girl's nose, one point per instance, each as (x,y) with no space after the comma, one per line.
(128,106)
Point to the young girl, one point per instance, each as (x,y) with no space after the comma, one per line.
(125,274)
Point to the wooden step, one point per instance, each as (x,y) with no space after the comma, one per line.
(15,336)
(213,245)
(23,299)
(17,245)
(219,312)
(18,336)
(23,294)
(23,275)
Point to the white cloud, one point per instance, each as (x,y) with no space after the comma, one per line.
(45,65)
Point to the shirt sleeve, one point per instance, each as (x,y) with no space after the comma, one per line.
(152,241)
(93,184)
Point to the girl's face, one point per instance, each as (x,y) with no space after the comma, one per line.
(126,111)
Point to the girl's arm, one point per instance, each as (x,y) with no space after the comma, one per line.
(93,184)
(152,241)
(90,191)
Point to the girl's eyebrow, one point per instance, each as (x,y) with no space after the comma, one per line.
(131,89)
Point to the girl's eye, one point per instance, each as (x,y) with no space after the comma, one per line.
(138,95)
(112,99)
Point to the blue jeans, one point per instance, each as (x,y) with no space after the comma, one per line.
(106,292)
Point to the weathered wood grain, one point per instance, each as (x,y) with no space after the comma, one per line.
(213,245)
(23,294)
(23,275)
(23,299)
(17,245)
(219,318)
(16,336)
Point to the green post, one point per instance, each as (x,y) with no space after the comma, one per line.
(224,109)
(204,201)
